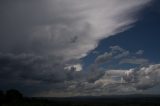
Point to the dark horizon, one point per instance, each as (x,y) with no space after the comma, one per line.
(15,98)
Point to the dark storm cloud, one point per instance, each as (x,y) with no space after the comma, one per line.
(44,27)
(94,73)
(33,73)
(31,67)
(38,39)
(45,78)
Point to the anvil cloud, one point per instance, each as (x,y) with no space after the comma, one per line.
(66,28)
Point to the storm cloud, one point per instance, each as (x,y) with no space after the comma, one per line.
(42,44)
(44,27)
(44,77)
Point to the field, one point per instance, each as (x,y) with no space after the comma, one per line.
(132,100)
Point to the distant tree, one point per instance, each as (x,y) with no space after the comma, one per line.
(1,93)
(13,94)
(1,96)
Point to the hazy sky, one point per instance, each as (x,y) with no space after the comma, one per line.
(80,47)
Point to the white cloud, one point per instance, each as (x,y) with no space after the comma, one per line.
(142,79)
(121,55)
(140,52)
(121,76)
(113,82)
(137,61)
(82,24)
(68,29)
(116,49)
(148,76)
(103,58)
(75,67)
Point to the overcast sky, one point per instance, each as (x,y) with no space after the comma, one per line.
(80,47)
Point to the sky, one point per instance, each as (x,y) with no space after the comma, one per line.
(63,48)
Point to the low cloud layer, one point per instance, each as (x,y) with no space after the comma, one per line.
(42,77)
(114,82)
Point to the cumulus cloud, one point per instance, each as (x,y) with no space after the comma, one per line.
(128,81)
(141,79)
(122,75)
(75,67)
(113,82)
(149,76)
